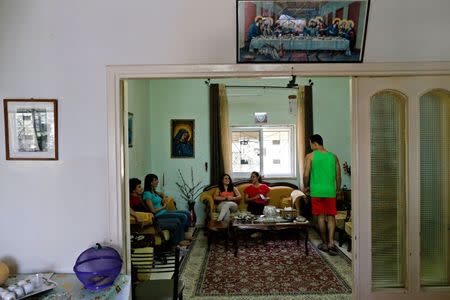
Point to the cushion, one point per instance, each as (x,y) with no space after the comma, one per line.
(286,202)
(340,219)
(170,203)
(348,228)
(145,217)
(148,230)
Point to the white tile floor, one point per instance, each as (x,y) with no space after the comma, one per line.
(344,250)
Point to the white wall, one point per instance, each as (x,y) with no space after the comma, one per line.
(51,211)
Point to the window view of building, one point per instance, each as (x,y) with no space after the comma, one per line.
(33,134)
(267,149)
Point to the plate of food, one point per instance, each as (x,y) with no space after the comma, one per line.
(30,286)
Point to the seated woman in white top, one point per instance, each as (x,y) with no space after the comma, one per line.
(227,197)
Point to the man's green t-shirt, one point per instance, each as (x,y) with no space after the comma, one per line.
(323,175)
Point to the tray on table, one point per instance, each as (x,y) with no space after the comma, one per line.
(46,285)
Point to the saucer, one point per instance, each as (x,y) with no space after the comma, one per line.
(300,219)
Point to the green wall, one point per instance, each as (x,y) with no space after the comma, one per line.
(189,99)
(332,117)
(137,92)
(178,99)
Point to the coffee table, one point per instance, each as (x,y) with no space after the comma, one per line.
(238,226)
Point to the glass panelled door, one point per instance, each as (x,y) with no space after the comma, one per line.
(402,183)
(434,188)
(388,188)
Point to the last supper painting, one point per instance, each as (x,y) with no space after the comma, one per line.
(313,31)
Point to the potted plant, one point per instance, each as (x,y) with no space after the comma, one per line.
(189,192)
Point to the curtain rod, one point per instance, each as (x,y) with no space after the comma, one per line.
(261,86)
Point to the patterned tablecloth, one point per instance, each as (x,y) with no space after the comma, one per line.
(298,43)
(69,287)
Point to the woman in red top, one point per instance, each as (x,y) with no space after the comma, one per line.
(228,198)
(256,194)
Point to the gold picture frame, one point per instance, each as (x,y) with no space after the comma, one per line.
(182,136)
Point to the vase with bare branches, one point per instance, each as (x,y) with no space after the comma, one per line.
(189,192)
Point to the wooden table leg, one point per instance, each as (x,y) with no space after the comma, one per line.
(235,241)
(210,233)
(306,240)
(226,239)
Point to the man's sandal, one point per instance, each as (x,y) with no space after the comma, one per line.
(333,251)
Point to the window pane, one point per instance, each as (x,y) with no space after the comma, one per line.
(434,189)
(246,151)
(277,152)
(387,146)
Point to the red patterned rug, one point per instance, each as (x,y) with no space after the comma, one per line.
(279,267)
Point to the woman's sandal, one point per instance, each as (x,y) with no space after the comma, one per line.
(322,247)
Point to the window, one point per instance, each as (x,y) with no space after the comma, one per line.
(266,149)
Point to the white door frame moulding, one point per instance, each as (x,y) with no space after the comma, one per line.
(118,211)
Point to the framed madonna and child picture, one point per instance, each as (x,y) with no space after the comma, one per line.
(313,31)
(182,138)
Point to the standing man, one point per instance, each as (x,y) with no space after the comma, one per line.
(322,178)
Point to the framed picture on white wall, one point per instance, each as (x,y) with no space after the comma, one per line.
(130,129)
(31,129)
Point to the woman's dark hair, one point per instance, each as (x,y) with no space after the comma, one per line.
(148,183)
(257,175)
(134,182)
(230,185)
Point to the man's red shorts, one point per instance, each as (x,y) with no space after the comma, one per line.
(323,206)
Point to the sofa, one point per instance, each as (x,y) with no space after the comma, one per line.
(282,194)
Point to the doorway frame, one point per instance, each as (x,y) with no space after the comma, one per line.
(118,210)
